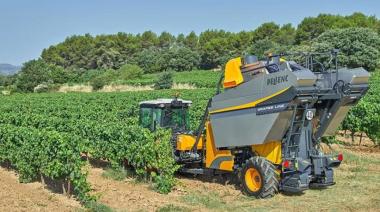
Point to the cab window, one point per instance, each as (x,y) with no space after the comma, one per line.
(176,118)
(146,117)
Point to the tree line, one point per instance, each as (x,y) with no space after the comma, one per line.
(210,49)
(102,58)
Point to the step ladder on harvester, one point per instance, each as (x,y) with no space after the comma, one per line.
(293,137)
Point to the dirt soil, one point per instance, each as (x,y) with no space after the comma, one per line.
(15,196)
(357,189)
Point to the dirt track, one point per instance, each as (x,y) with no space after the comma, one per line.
(15,196)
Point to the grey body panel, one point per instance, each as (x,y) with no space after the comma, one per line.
(354,76)
(262,86)
(234,127)
(245,127)
(336,119)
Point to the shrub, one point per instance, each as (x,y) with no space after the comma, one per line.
(98,83)
(129,71)
(165,81)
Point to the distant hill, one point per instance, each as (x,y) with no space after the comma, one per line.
(8,69)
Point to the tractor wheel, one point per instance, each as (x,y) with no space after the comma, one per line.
(258,177)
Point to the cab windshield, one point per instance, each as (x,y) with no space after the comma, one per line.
(177,118)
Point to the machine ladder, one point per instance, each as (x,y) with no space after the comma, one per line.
(294,134)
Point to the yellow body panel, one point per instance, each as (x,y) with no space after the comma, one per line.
(223,159)
(250,104)
(271,151)
(186,142)
(213,154)
(232,73)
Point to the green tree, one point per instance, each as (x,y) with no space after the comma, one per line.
(261,48)
(216,47)
(107,58)
(241,41)
(179,59)
(36,72)
(311,27)
(7,80)
(127,45)
(265,31)
(216,53)
(75,51)
(180,40)
(166,40)
(58,75)
(191,41)
(285,36)
(148,60)
(149,39)
(359,47)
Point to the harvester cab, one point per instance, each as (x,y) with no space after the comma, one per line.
(266,124)
(165,113)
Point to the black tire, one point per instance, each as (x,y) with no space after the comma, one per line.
(267,174)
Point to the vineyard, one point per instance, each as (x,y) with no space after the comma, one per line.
(50,136)
(365,117)
(46,135)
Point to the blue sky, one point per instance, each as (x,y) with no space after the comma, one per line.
(28,26)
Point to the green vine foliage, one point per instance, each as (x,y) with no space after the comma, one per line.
(46,134)
(35,152)
(365,116)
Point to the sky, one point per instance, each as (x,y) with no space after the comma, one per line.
(29,26)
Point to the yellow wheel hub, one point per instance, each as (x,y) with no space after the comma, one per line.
(253,179)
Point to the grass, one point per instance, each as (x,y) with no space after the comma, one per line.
(97,207)
(357,189)
(211,200)
(181,80)
(173,208)
(198,78)
(355,159)
(118,174)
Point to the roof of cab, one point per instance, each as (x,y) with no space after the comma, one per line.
(163,101)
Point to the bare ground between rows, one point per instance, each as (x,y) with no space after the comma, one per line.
(15,196)
(355,190)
